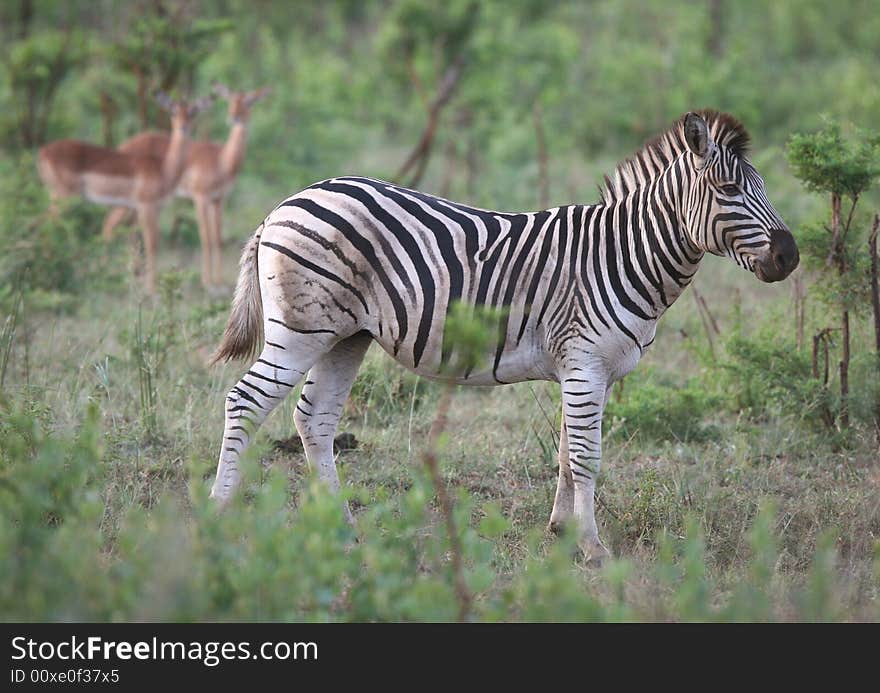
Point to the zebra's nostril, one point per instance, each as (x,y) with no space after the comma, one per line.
(784,252)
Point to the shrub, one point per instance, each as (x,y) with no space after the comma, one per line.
(651,410)
(765,374)
(54,257)
(261,560)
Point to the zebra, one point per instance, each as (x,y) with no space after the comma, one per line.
(352,260)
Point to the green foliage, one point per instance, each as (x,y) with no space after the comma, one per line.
(828,163)
(55,257)
(262,561)
(383,389)
(653,410)
(162,51)
(35,67)
(765,374)
(149,345)
(752,598)
(7,333)
(418,24)
(850,290)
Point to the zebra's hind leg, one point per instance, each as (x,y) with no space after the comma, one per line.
(285,358)
(563,503)
(320,406)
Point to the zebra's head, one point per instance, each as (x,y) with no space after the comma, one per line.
(727,209)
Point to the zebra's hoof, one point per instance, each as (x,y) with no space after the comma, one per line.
(218,499)
(595,553)
(555,527)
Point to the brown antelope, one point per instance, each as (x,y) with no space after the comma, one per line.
(209,173)
(138,181)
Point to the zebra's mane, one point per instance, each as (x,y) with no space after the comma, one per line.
(658,152)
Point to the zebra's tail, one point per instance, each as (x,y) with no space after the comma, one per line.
(244,329)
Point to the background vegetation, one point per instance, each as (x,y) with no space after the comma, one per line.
(739,482)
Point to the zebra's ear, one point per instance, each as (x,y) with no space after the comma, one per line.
(696,134)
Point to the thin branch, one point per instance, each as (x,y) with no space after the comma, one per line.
(799,308)
(417,83)
(843,366)
(822,338)
(855,201)
(705,306)
(430,458)
(607,508)
(875,280)
(709,323)
(420,154)
(550,424)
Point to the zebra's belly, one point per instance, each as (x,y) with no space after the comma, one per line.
(525,362)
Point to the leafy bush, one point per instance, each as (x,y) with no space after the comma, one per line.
(765,374)
(650,410)
(53,256)
(262,561)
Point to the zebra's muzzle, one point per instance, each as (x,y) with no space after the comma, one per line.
(782,257)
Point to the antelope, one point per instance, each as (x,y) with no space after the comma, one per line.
(140,181)
(209,173)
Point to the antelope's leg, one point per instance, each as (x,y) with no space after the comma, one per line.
(148,218)
(115,217)
(203,218)
(216,239)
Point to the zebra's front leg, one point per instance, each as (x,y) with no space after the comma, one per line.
(563,503)
(582,407)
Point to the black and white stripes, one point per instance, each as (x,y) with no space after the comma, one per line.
(577,290)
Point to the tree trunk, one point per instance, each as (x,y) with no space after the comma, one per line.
(844,370)
(108,115)
(715,42)
(875,302)
(421,153)
(25,15)
(820,339)
(837,258)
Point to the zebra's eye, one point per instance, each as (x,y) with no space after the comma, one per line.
(730,189)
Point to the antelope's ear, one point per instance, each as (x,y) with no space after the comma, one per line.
(696,135)
(164,100)
(221,90)
(255,96)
